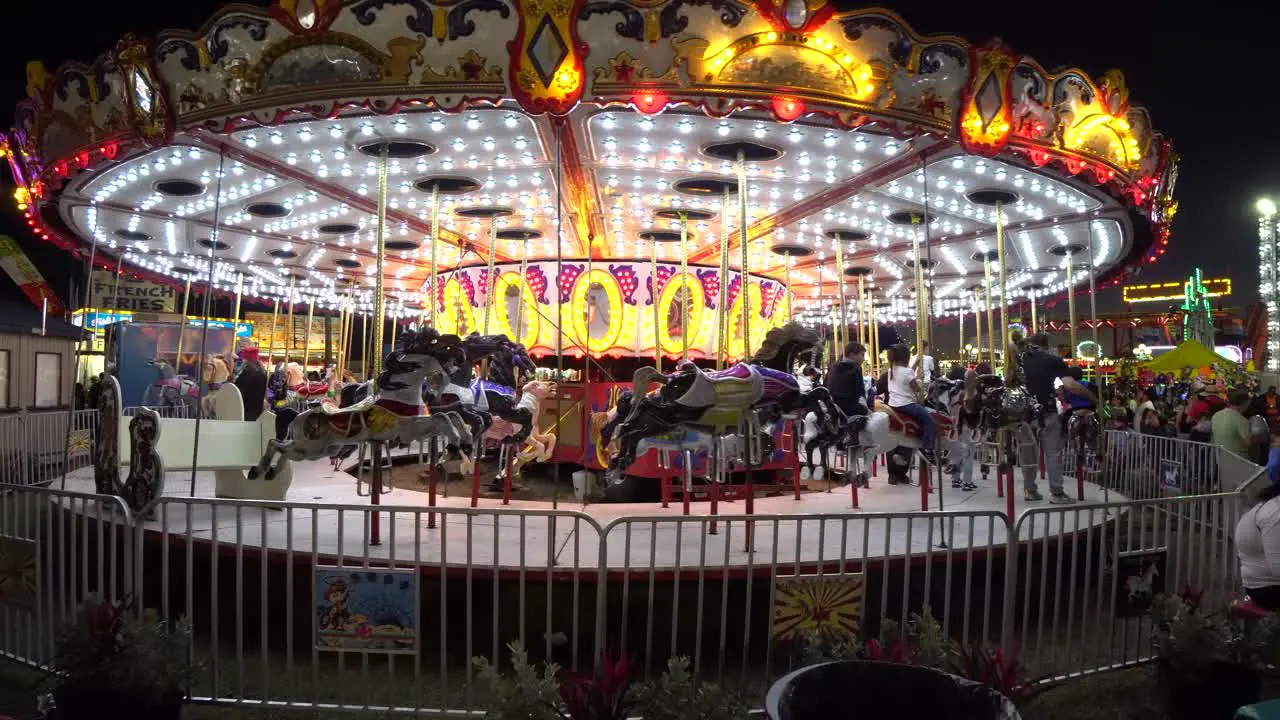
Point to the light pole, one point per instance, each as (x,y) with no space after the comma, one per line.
(1269,285)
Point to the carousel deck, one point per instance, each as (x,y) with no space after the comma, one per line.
(326,518)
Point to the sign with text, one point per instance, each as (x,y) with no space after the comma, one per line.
(132,295)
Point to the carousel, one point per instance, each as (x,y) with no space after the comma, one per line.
(529,212)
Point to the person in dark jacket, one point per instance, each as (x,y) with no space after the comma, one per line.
(252,382)
(844,380)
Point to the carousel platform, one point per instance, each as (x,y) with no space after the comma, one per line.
(326,520)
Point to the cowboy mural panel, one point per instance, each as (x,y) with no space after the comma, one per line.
(366,610)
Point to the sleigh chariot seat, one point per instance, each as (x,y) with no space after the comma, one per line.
(910,427)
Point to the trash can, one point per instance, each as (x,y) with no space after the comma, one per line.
(876,690)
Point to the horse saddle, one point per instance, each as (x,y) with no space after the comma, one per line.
(734,389)
(330,408)
(311,389)
(904,424)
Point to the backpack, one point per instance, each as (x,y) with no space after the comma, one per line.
(1258,427)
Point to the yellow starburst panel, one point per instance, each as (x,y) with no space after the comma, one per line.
(829,605)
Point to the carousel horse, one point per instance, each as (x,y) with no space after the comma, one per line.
(394,414)
(215,375)
(172,392)
(304,389)
(475,401)
(821,431)
(515,422)
(715,401)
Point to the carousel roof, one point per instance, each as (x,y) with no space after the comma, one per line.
(255,143)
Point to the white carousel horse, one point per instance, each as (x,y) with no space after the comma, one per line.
(519,424)
(394,414)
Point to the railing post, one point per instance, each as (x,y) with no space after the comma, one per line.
(1010,580)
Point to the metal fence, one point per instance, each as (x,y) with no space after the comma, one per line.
(58,547)
(1063,584)
(34,446)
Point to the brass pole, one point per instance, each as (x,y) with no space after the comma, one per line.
(1032,295)
(874,328)
(722,318)
(746,262)
(489,299)
(1071,298)
(791,300)
(991,325)
(435,241)
(518,330)
(290,331)
(842,333)
(653,294)
(863,338)
(182,330)
(306,348)
(364,347)
(343,317)
(271,339)
(1093,297)
(977,325)
(918,261)
(380,300)
(1004,296)
(684,294)
(235,315)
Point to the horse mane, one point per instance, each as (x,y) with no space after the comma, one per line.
(782,345)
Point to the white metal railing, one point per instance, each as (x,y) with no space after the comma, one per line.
(1050,582)
(34,446)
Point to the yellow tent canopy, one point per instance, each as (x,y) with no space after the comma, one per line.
(1188,354)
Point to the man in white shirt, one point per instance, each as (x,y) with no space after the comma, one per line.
(924,364)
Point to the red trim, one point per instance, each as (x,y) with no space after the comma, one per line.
(401,409)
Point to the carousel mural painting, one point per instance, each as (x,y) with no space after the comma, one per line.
(608,184)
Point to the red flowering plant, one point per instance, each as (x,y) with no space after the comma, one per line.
(1000,671)
(108,652)
(601,695)
(1190,639)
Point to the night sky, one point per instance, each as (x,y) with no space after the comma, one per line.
(1203,80)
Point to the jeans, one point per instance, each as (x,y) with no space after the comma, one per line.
(964,455)
(928,431)
(1051,443)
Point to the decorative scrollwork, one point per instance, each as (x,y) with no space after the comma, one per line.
(931,57)
(219,47)
(366,13)
(106,460)
(190,53)
(899,47)
(461,26)
(630,26)
(1071,80)
(143,486)
(1035,82)
(671,21)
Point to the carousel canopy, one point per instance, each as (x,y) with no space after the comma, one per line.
(589,130)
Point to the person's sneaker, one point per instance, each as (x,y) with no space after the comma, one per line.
(1033,497)
(969,487)
(1061,499)
(955,483)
